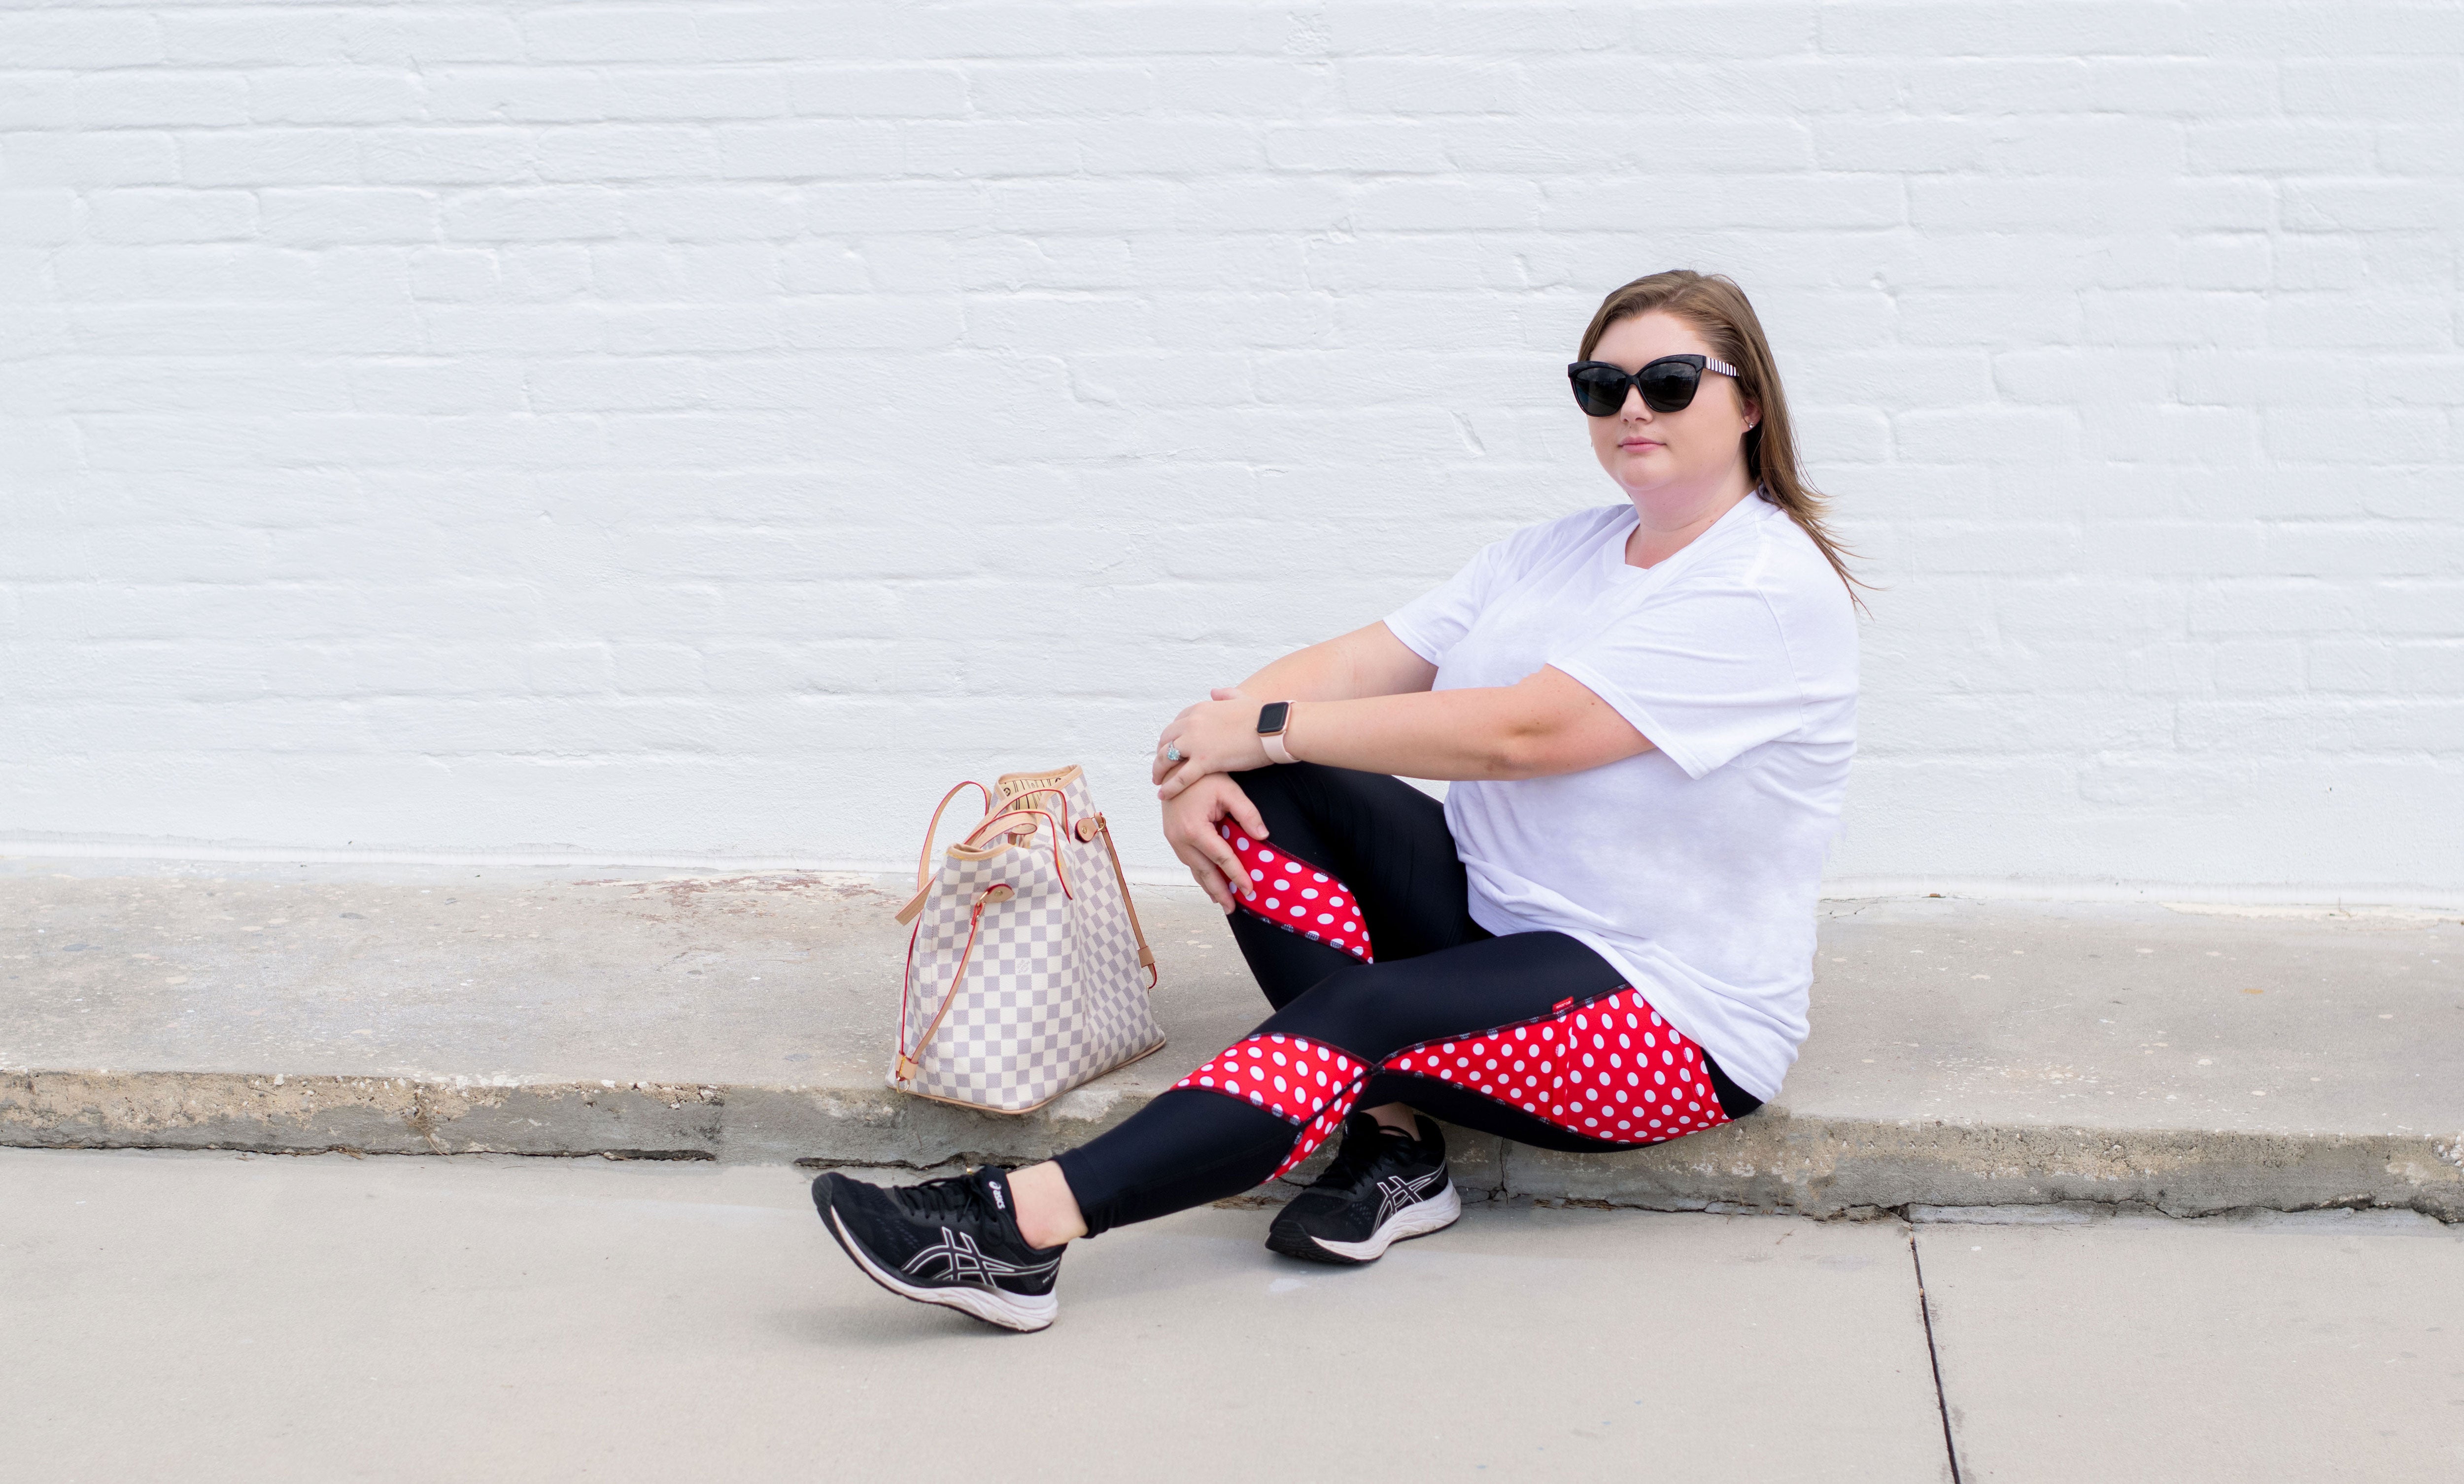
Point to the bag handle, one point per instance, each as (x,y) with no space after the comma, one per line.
(1097,825)
(1012,802)
(1001,824)
(909,1064)
(924,857)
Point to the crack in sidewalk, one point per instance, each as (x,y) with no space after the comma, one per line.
(1933,1357)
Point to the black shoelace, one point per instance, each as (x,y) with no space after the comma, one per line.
(957,1198)
(1362,1148)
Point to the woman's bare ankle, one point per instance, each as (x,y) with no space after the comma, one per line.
(1398,1116)
(1047,1210)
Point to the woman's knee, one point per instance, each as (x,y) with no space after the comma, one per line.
(1275,786)
(1358,1007)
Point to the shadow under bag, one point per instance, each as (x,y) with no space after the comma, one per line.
(1026,974)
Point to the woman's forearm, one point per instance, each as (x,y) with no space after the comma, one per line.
(1548,724)
(1430,734)
(1367,662)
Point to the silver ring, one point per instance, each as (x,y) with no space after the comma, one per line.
(1171,753)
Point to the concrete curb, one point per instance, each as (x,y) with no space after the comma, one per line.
(1774,1161)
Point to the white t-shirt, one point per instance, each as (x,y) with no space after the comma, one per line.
(1694,867)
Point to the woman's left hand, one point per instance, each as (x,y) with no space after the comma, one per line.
(1216,735)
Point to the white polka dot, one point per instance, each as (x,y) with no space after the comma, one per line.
(1317,876)
(1269,856)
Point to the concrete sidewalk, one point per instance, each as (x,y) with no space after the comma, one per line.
(1963,1054)
(226,1317)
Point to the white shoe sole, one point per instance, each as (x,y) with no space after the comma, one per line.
(1418,1219)
(1010,1311)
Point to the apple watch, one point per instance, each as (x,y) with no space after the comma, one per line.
(1273,718)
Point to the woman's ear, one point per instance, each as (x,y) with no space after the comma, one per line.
(1753,412)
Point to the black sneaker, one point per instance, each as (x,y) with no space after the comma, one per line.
(1384,1187)
(953,1242)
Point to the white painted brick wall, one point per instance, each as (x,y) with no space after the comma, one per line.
(661,430)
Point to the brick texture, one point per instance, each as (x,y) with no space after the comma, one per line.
(661,432)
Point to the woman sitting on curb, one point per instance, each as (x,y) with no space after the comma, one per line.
(1604,936)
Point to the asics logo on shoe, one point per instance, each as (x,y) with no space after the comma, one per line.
(1397,1191)
(956,1258)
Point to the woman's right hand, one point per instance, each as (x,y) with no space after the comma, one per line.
(1163,766)
(1189,826)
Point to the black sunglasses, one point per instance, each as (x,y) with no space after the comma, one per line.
(1667,384)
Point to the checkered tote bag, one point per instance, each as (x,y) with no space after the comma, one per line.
(1027,973)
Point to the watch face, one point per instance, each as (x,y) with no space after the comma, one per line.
(1271,718)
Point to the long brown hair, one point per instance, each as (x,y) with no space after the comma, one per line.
(1715,306)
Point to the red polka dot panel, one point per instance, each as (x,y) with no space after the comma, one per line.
(1300,1080)
(1611,1069)
(1293,894)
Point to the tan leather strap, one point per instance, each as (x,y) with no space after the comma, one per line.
(1007,822)
(1013,801)
(1146,954)
(972,846)
(924,857)
(909,1064)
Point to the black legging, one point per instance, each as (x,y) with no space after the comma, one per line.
(1437,975)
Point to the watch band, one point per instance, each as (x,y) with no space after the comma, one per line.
(1273,741)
